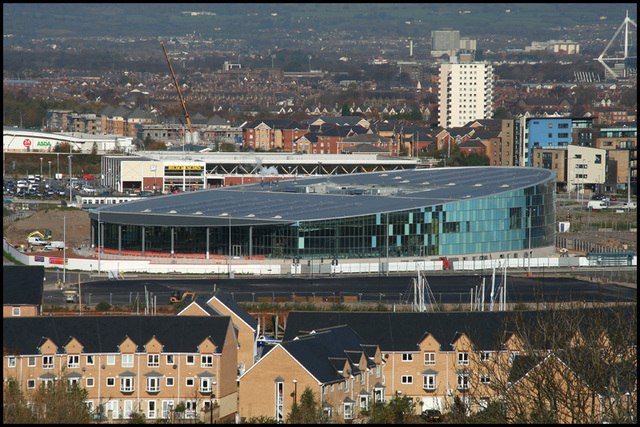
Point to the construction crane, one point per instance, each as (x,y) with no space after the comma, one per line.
(184,107)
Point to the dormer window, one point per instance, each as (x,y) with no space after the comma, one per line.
(153,360)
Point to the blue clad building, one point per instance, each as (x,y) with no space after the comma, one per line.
(545,132)
(504,211)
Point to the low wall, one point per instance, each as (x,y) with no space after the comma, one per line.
(143,265)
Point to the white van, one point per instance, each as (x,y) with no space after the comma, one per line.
(597,205)
(629,205)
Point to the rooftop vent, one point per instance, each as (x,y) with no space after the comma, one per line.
(173,211)
(147,210)
(198,213)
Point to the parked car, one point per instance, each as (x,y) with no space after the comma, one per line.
(629,205)
(432,416)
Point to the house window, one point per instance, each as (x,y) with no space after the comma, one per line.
(153,360)
(47,362)
(189,382)
(364,403)
(407,357)
(127,360)
(153,384)
(31,361)
(169,359)
(346,385)
(73,361)
(325,389)
(206,361)
(430,358)
(463,358)
(348,410)
(31,384)
(407,379)
(279,402)
(378,371)
(512,355)
(16,311)
(485,356)
(485,379)
(73,381)
(90,360)
(111,382)
(191,408)
(126,384)
(463,381)
(378,394)
(190,359)
(12,362)
(152,409)
(598,158)
(111,359)
(169,382)
(206,385)
(430,382)
(90,382)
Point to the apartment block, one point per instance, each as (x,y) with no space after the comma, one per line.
(146,364)
(466,93)
(344,373)
(24,297)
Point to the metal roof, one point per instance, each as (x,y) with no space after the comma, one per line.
(323,197)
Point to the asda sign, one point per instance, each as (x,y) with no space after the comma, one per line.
(43,144)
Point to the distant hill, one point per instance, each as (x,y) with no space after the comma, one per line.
(273,21)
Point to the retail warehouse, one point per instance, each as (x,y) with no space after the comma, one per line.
(498,212)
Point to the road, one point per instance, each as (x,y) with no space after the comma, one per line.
(447,289)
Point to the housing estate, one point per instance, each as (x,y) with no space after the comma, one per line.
(23,293)
(147,364)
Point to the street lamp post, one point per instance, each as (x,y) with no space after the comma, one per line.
(295,391)
(41,179)
(49,170)
(70,185)
(64,249)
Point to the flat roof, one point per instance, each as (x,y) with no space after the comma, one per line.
(324,197)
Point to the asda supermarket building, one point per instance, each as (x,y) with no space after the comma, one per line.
(465,213)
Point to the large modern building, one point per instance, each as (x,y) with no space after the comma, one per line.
(497,212)
(466,93)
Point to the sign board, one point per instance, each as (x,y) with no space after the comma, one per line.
(26,142)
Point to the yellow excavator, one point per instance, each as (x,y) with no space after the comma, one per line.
(178,296)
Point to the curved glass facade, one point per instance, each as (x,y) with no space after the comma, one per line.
(509,222)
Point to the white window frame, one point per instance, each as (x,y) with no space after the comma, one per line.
(430,385)
(90,359)
(90,382)
(364,402)
(191,359)
(127,384)
(15,311)
(463,381)
(485,356)
(512,356)
(11,362)
(430,358)
(463,358)
(346,385)
(485,378)
(407,357)
(189,380)
(112,380)
(31,383)
(349,410)
(127,360)
(169,380)
(170,359)
(206,361)
(153,384)
(47,362)
(378,395)
(73,361)
(206,385)
(31,361)
(111,359)
(153,360)
(406,379)
(279,402)
(73,381)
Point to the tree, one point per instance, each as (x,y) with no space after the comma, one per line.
(399,410)
(57,403)
(345,110)
(308,411)
(575,365)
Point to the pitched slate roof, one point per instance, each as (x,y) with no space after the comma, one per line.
(233,306)
(472,143)
(103,334)
(402,332)
(22,285)
(320,352)
(216,120)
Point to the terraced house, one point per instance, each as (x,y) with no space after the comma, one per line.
(146,364)
(344,373)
